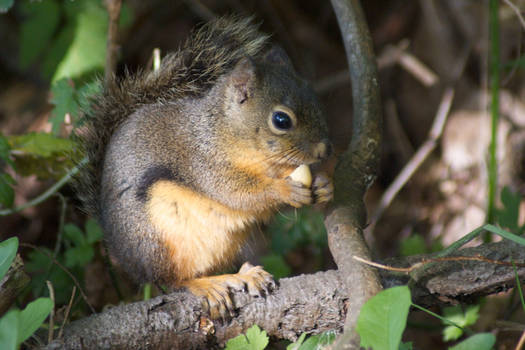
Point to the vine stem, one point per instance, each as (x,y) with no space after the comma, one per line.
(50,191)
(494,108)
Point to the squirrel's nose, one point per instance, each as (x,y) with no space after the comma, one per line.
(322,149)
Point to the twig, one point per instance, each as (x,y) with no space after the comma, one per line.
(44,196)
(418,158)
(68,310)
(156,59)
(517,11)
(113,7)
(424,262)
(412,64)
(32,246)
(391,55)
(521,341)
(52,314)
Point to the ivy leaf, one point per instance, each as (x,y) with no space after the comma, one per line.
(8,249)
(481,341)
(383,318)
(93,231)
(255,339)
(87,51)
(32,317)
(9,330)
(462,319)
(509,216)
(318,341)
(64,100)
(74,234)
(41,144)
(4,150)
(37,29)
(7,194)
(5,5)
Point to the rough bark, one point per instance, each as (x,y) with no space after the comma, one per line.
(356,168)
(309,303)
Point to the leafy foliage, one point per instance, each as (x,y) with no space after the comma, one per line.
(462,319)
(17,326)
(5,5)
(314,342)
(481,341)
(8,250)
(508,216)
(79,251)
(383,318)
(254,339)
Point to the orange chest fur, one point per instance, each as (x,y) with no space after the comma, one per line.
(202,234)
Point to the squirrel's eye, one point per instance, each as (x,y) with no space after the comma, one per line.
(281,120)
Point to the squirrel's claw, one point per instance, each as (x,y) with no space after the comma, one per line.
(215,290)
(322,188)
(299,194)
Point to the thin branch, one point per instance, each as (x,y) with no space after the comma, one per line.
(415,162)
(52,314)
(68,310)
(55,261)
(424,262)
(113,7)
(517,11)
(51,191)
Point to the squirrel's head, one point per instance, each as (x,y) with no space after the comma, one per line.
(273,112)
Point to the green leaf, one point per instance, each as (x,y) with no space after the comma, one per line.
(37,29)
(79,256)
(87,52)
(8,249)
(276,266)
(505,234)
(406,346)
(413,245)
(93,231)
(462,319)
(480,341)
(318,341)
(509,216)
(5,5)
(4,150)
(382,319)
(41,144)
(7,194)
(297,344)
(64,100)
(255,339)
(32,317)
(74,234)
(9,330)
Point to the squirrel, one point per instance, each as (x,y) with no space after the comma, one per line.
(185,160)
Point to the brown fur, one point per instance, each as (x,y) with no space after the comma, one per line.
(184,161)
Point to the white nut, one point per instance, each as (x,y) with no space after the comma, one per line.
(303,175)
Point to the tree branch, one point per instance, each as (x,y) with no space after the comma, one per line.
(357,168)
(309,303)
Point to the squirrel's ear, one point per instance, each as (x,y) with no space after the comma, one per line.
(242,80)
(276,55)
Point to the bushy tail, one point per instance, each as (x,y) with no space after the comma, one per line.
(210,52)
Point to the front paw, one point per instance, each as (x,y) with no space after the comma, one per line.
(299,194)
(322,189)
